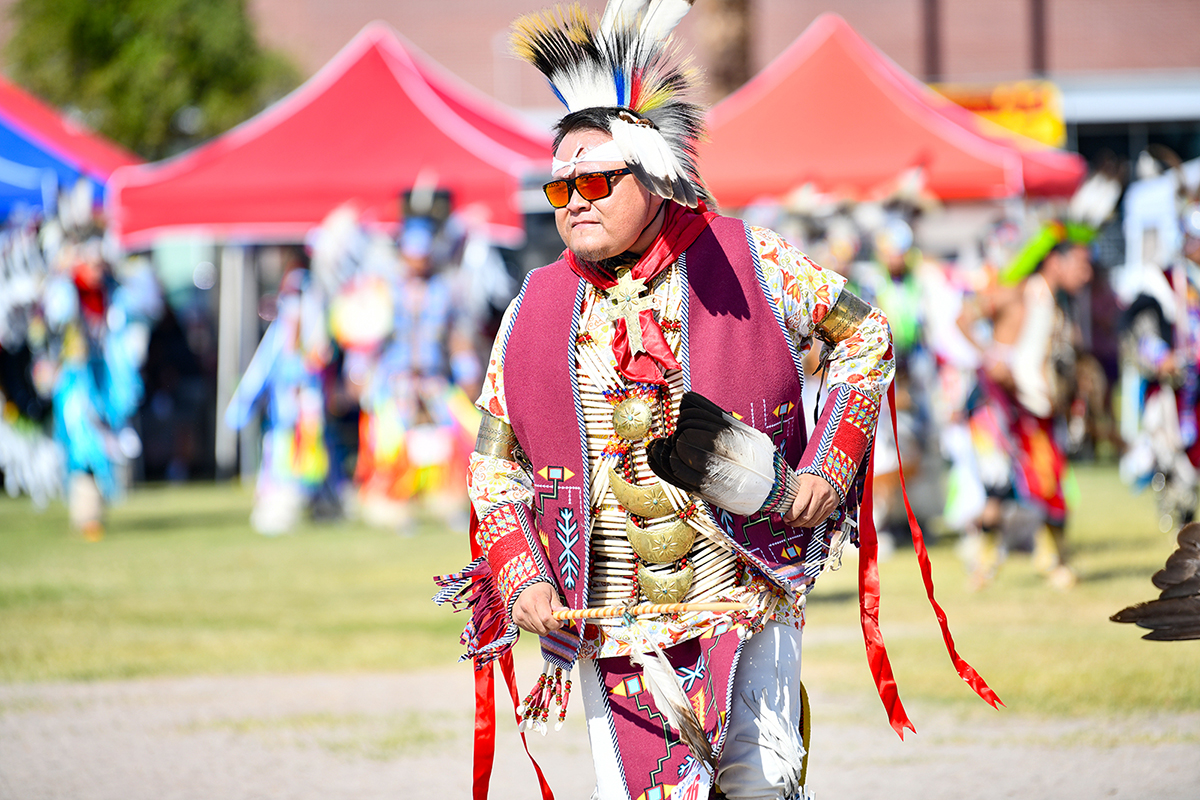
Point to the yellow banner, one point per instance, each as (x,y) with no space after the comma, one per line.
(1030,108)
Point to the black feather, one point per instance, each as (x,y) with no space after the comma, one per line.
(1175,615)
(658,455)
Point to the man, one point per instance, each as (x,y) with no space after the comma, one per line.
(656,295)
(1025,385)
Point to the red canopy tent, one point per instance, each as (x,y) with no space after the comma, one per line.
(834,111)
(363,129)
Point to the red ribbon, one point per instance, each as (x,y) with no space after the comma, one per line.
(647,367)
(485,712)
(681,227)
(868,607)
(868,599)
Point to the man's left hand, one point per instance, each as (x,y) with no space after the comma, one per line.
(815,500)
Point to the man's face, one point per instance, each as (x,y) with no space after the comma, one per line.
(609,226)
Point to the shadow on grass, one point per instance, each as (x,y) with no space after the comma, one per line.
(172,522)
(1119,573)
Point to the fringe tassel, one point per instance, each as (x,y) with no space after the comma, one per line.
(488,634)
(550,688)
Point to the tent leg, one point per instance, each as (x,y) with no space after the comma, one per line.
(250,437)
(229,324)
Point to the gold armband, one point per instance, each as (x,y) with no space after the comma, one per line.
(495,438)
(843,319)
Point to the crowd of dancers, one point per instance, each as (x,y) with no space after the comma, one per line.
(1005,368)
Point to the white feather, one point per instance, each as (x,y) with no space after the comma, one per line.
(647,150)
(662,18)
(623,13)
(584,87)
(660,678)
(785,744)
(1095,201)
(740,479)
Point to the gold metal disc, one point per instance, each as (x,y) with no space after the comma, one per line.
(665,588)
(662,543)
(631,419)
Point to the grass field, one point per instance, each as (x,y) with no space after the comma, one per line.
(182,585)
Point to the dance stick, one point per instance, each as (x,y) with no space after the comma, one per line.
(645,609)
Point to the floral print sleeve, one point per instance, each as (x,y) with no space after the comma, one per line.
(859,368)
(501,492)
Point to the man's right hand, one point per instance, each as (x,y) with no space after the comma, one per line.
(535,607)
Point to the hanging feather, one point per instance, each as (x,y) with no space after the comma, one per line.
(622,14)
(786,745)
(660,678)
(722,459)
(1175,615)
(662,17)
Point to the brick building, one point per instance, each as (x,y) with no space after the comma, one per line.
(1129,70)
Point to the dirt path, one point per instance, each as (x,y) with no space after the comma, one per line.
(407,736)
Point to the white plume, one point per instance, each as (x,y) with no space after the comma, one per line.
(741,475)
(1094,202)
(653,162)
(621,13)
(662,18)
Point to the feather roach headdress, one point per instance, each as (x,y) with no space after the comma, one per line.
(627,65)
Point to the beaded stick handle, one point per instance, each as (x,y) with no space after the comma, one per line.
(644,609)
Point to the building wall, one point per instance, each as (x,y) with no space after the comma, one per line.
(980,40)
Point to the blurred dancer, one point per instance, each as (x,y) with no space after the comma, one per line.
(895,281)
(418,421)
(1161,339)
(1024,386)
(288,370)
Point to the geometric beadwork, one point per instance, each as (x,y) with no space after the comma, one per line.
(515,572)
(839,467)
(861,412)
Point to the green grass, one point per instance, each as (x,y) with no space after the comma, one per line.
(182,585)
(1043,651)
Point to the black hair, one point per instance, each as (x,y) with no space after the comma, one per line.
(598,118)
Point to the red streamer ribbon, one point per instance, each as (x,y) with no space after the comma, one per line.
(485,713)
(868,593)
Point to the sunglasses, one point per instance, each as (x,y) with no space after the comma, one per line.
(591,186)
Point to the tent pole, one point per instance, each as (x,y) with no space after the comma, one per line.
(233,263)
(250,437)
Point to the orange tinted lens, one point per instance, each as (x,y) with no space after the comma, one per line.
(557,192)
(592,186)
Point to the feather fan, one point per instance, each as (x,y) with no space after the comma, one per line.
(722,459)
(1175,615)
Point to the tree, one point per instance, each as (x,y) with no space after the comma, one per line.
(154,75)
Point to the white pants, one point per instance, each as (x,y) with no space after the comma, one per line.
(765,705)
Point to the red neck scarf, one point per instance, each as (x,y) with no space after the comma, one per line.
(681,227)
